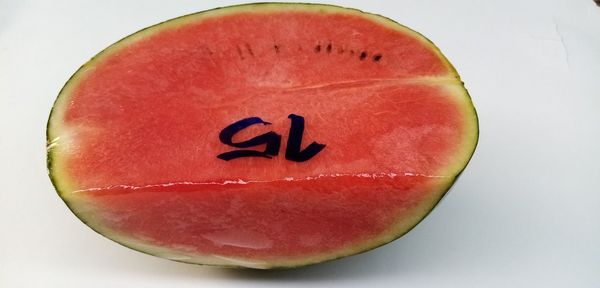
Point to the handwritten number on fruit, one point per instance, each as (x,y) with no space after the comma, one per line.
(293,151)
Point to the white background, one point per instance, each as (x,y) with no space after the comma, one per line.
(526,212)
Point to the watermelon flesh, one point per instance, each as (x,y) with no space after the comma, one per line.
(133,137)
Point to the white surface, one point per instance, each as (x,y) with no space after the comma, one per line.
(526,213)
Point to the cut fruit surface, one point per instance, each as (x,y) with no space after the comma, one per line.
(134,135)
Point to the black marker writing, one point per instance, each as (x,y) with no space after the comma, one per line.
(272,140)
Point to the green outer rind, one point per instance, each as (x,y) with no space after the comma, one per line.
(149,29)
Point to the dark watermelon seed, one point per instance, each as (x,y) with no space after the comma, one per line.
(249,49)
(239,51)
(363,55)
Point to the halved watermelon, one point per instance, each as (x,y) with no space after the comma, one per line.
(262,135)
